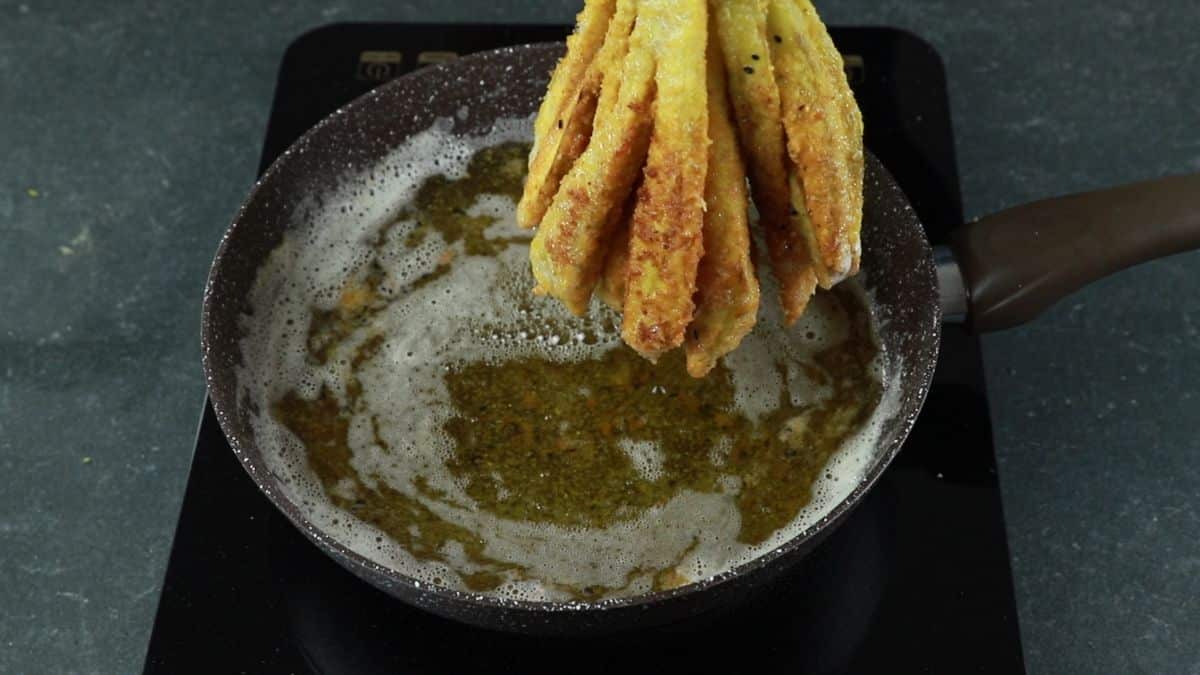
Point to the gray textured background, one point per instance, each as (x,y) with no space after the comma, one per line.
(137,126)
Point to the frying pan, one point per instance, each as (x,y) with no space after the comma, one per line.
(997,272)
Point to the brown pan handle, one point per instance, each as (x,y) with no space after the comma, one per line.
(1018,262)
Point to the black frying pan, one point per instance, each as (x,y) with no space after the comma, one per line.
(998,272)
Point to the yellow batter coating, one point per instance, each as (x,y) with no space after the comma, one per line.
(726,287)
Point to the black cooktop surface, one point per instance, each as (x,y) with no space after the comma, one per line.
(917,580)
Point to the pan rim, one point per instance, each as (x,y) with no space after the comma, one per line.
(225,407)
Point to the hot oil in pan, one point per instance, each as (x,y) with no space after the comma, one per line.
(517,450)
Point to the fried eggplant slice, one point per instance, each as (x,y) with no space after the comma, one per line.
(555,157)
(742,33)
(665,235)
(567,253)
(591,26)
(824,136)
(727,292)
(567,136)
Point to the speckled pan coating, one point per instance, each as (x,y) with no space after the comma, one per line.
(509,82)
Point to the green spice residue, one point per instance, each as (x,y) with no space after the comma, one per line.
(552,452)
(546,442)
(442,203)
(441,206)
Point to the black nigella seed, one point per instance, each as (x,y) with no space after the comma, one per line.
(754,56)
(794,212)
(560,124)
(749,70)
(778,39)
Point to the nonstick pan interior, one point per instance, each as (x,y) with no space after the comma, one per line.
(897,270)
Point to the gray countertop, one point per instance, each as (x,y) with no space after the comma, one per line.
(129,133)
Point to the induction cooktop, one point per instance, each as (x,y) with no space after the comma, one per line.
(917,580)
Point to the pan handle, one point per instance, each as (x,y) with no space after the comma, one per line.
(1016,263)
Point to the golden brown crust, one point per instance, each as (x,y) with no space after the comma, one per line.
(665,242)
(727,293)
